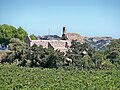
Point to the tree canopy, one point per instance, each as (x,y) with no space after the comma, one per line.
(33,37)
(113,52)
(80,56)
(7,32)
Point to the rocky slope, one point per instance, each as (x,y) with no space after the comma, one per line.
(99,43)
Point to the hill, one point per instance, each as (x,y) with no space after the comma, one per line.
(49,37)
(99,43)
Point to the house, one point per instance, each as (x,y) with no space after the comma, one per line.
(72,36)
(61,45)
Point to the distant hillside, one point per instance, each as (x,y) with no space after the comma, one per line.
(49,37)
(99,43)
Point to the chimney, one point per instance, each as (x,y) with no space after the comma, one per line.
(64,30)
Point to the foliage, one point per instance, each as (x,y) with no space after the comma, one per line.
(106,64)
(95,59)
(80,59)
(33,37)
(7,32)
(113,52)
(34,56)
(80,56)
(20,78)
(21,34)
(17,49)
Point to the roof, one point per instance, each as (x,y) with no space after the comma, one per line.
(74,36)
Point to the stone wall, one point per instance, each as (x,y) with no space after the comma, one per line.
(61,45)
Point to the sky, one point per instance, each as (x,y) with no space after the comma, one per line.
(43,17)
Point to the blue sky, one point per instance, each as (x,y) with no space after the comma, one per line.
(41,17)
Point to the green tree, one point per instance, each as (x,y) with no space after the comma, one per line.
(21,34)
(7,32)
(81,55)
(18,51)
(97,58)
(53,59)
(113,52)
(106,64)
(33,37)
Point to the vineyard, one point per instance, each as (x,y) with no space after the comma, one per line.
(21,78)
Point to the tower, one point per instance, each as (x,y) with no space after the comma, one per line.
(64,30)
(64,35)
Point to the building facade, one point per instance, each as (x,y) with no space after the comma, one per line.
(61,45)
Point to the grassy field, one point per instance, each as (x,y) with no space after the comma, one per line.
(21,78)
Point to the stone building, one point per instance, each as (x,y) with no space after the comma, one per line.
(71,36)
(61,45)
